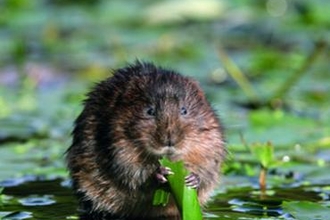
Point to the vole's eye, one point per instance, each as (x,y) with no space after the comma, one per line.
(151,111)
(183,111)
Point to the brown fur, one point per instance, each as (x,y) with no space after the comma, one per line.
(118,140)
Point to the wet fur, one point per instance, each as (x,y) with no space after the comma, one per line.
(116,143)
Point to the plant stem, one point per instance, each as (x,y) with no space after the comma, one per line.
(234,71)
(262,179)
(288,84)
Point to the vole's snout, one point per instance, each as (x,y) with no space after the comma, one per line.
(169,140)
(169,143)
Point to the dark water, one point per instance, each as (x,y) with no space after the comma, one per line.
(38,199)
(35,198)
(249,203)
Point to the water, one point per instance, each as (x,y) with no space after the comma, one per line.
(37,198)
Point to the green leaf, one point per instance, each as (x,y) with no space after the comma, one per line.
(161,197)
(305,210)
(264,153)
(185,197)
(191,207)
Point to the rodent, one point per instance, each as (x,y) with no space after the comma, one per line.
(129,121)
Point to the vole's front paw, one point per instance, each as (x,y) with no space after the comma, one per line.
(193,180)
(161,174)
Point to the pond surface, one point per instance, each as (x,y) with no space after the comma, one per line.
(33,198)
(53,51)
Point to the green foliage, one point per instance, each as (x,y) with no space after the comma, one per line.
(71,45)
(304,210)
(264,153)
(1,196)
(161,197)
(185,197)
(4,199)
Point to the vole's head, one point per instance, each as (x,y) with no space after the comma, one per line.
(157,110)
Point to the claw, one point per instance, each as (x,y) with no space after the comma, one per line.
(165,171)
(192,180)
(161,174)
(160,178)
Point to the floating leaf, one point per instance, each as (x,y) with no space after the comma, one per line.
(165,12)
(305,210)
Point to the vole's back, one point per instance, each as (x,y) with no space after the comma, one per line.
(130,121)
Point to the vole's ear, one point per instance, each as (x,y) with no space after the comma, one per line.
(194,91)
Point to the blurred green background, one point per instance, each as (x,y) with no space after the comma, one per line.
(53,51)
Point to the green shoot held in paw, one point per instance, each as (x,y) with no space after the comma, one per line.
(186,198)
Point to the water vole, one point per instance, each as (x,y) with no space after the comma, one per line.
(130,121)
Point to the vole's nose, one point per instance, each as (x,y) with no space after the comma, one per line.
(169,140)
(170,143)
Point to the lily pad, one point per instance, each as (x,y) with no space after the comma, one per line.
(304,210)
